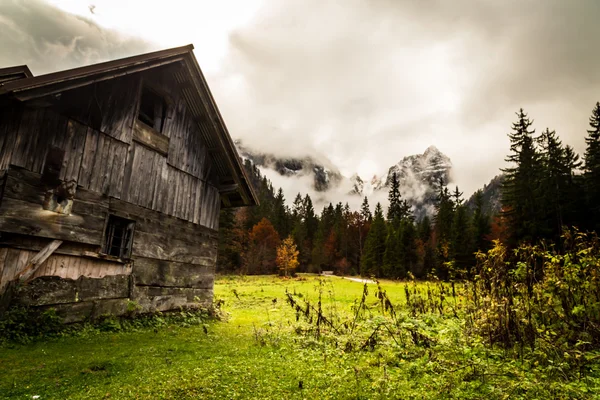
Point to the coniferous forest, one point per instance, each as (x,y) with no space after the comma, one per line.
(547,188)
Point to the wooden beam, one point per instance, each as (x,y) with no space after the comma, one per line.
(150,138)
(234,187)
(226,201)
(38,260)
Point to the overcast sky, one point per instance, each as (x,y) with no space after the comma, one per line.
(361,82)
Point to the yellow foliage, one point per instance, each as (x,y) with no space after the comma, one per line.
(287,255)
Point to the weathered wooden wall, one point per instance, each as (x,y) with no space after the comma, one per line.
(165,183)
(102,154)
(173,261)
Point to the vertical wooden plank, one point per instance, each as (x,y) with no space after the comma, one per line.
(10,267)
(197,199)
(151,179)
(158,183)
(162,200)
(3,252)
(216,208)
(185,196)
(125,189)
(87,161)
(25,137)
(11,118)
(118,171)
(100,165)
(179,195)
(109,161)
(132,173)
(192,199)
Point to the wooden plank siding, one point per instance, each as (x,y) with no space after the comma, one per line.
(102,164)
(64,266)
(157,235)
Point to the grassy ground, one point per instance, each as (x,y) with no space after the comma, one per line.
(256,353)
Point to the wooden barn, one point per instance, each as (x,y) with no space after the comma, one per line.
(111,181)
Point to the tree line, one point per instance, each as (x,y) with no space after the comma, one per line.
(546,187)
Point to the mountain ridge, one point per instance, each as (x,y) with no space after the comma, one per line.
(419,176)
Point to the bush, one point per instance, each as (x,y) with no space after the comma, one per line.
(536,297)
(22,324)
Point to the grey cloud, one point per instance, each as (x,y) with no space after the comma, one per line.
(48,39)
(359,79)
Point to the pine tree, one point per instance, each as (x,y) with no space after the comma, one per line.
(592,167)
(299,231)
(318,252)
(444,217)
(280,215)
(461,248)
(392,256)
(365,211)
(372,260)
(395,210)
(574,198)
(312,222)
(425,247)
(553,182)
(481,224)
(408,250)
(521,194)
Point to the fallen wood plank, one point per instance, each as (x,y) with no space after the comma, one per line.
(38,260)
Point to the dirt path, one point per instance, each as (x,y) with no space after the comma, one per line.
(360,280)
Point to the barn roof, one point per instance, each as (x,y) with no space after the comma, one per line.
(193,85)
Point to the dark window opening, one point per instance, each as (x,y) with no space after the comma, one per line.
(119,237)
(152,109)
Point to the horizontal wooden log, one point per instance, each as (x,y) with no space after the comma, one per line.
(162,247)
(150,138)
(153,299)
(48,290)
(231,188)
(153,221)
(150,272)
(26,218)
(21,211)
(89,310)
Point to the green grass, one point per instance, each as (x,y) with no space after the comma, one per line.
(256,353)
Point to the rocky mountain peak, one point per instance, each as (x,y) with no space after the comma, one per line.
(325,175)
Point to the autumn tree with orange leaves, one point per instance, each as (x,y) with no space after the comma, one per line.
(287,256)
(262,248)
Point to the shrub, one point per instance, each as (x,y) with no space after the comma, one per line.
(536,297)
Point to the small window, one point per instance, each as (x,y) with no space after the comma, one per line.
(152,109)
(119,237)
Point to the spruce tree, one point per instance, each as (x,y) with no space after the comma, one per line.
(392,262)
(481,224)
(372,261)
(280,215)
(312,221)
(521,194)
(461,245)
(444,218)
(299,231)
(408,251)
(365,211)
(553,182)
(395,212)
(592,167)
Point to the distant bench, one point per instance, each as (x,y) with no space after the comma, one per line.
(327,273)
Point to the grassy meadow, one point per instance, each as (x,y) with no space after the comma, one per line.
(351,344)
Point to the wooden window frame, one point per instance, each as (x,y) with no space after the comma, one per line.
(158,97)
(127,231)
